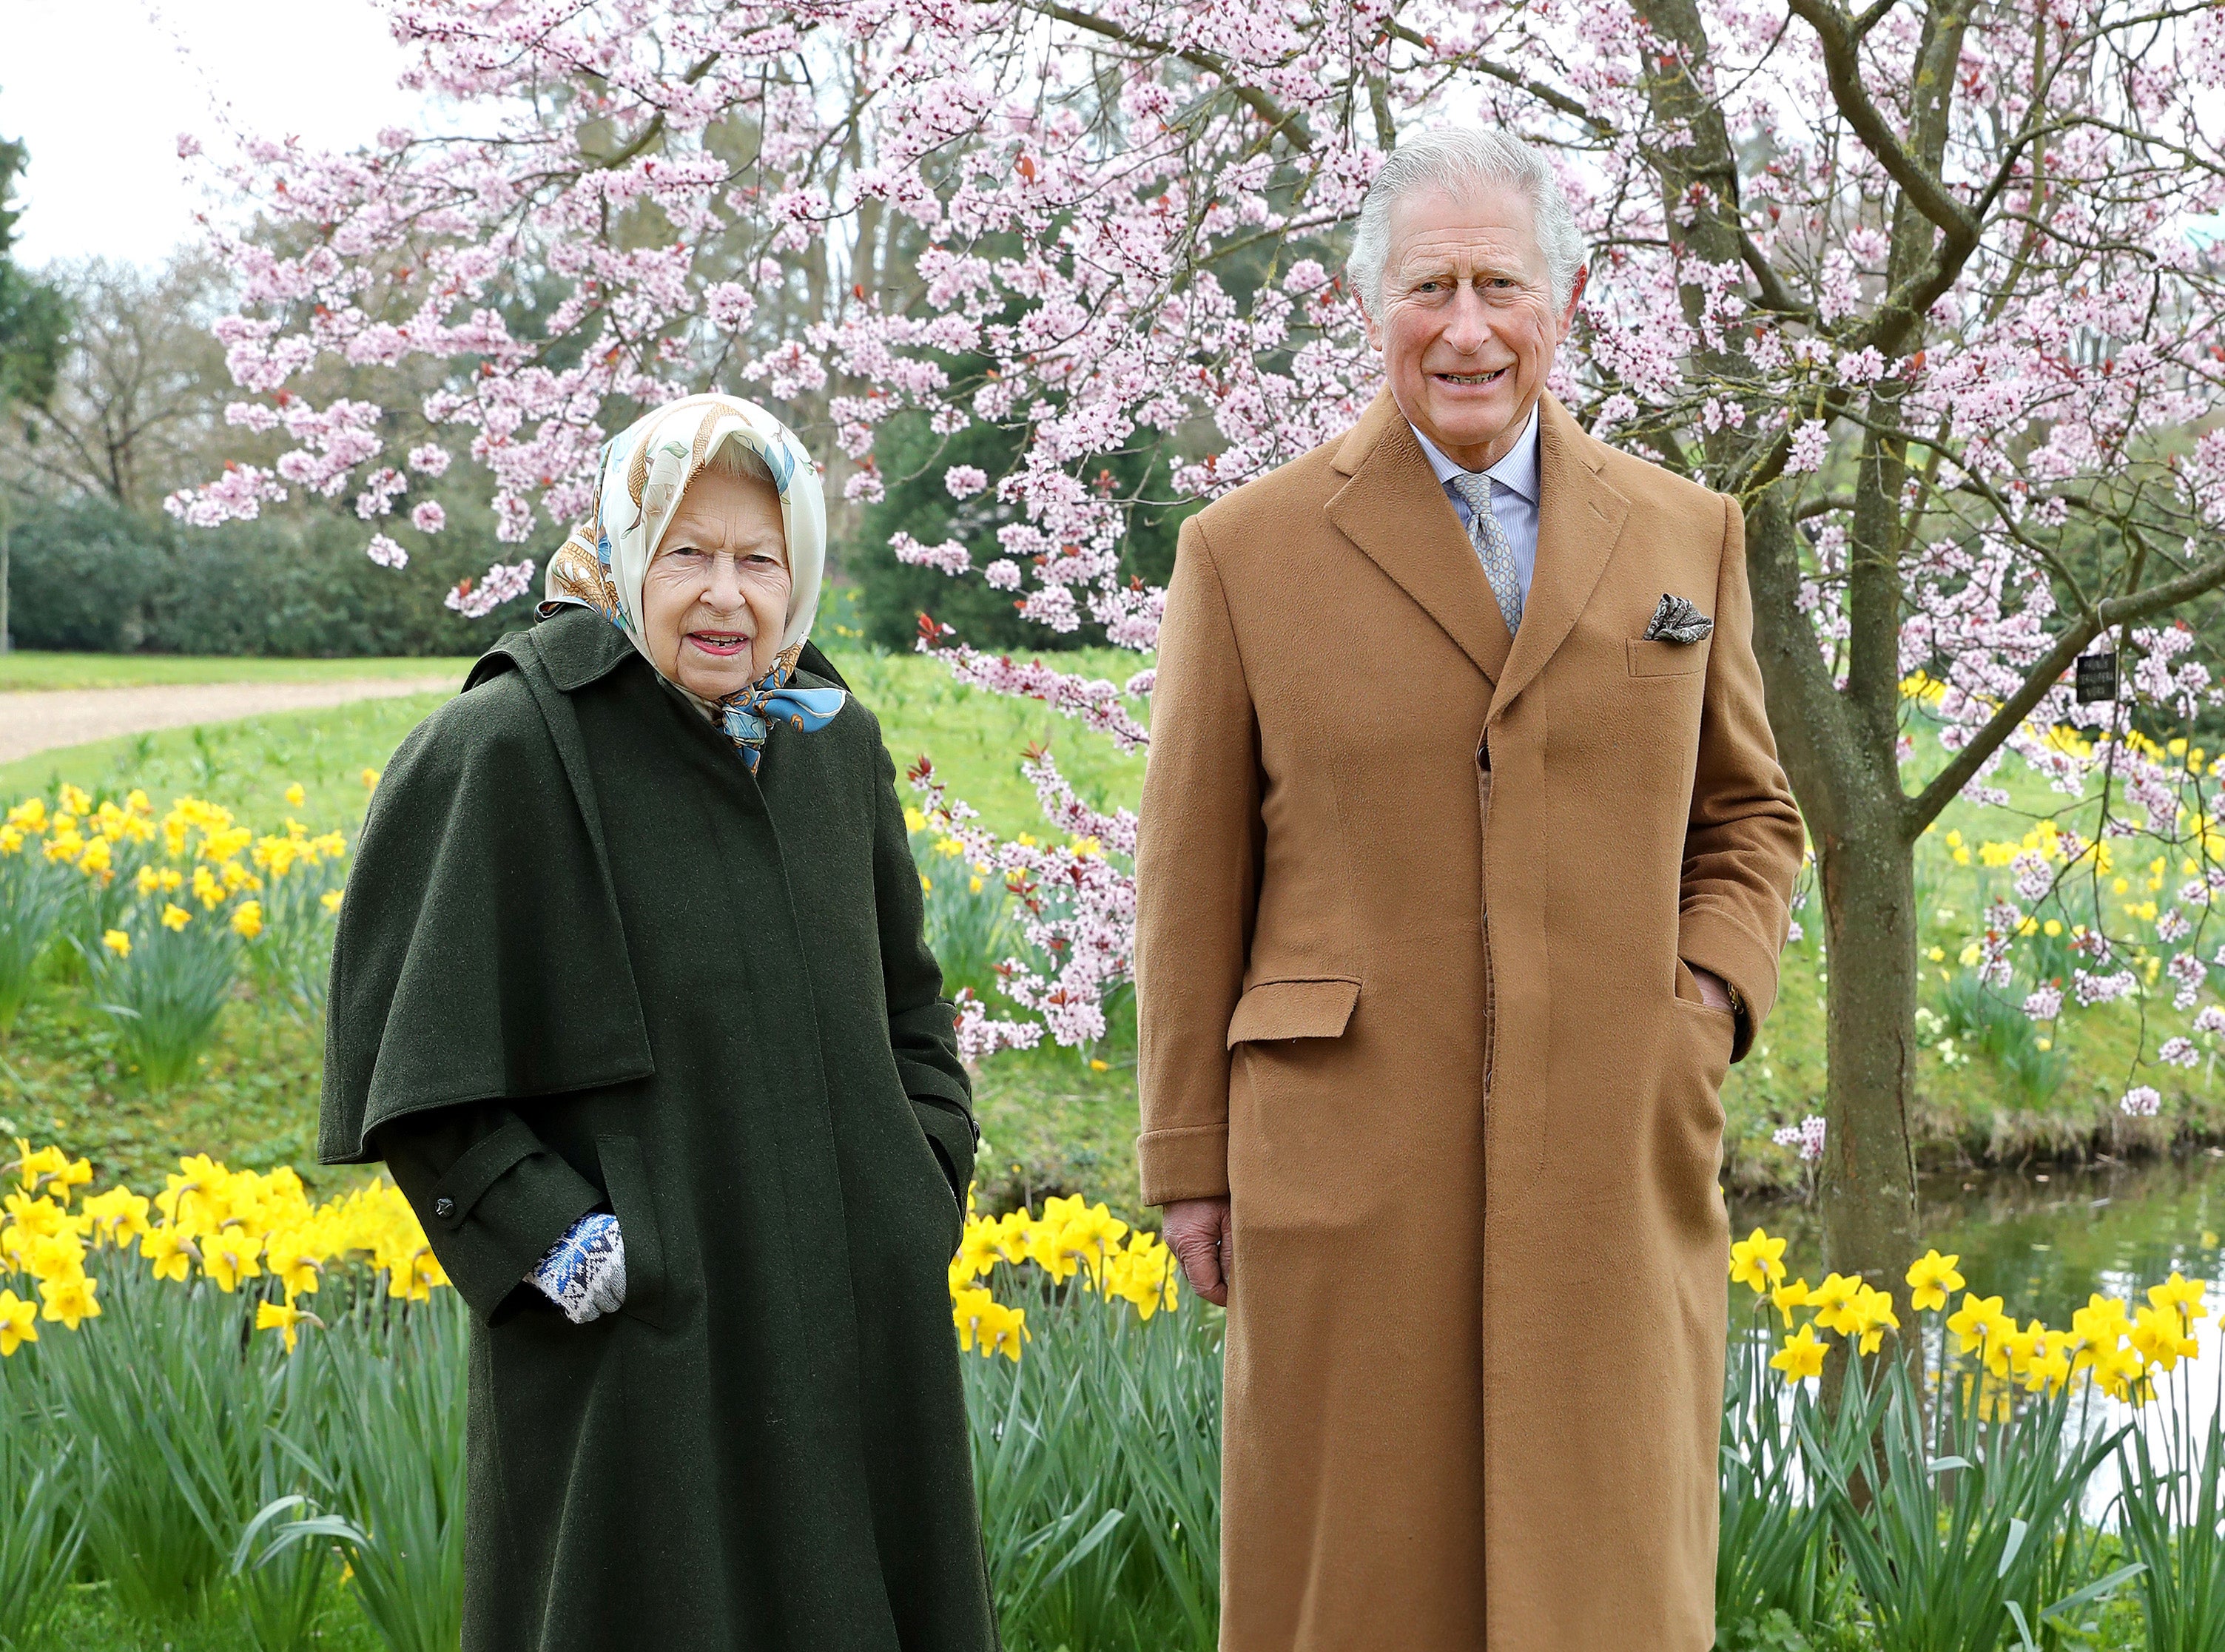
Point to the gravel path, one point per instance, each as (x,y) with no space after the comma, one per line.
(66,717)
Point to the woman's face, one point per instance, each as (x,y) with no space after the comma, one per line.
(714,600)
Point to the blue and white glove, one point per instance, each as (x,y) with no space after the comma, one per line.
(584,1273)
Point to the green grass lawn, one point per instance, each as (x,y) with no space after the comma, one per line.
(1056,1120)
(23,671)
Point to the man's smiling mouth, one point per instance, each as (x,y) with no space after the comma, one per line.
(1491,378)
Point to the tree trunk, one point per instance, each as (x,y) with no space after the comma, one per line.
(6,527)
(1868,876)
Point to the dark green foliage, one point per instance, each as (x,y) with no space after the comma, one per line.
(912,460)
(91,576)
(33,317)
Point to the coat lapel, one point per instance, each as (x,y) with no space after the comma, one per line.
(1395,511)
(1579,519)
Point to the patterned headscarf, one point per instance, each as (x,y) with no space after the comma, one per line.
(644,472)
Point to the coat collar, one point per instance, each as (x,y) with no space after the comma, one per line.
(578,646)
(1394,510)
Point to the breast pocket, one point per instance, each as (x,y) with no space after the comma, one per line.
(1659,659)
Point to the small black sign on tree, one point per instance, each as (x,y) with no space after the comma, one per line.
(2097,677)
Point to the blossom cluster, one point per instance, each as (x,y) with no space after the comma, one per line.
(1109,237)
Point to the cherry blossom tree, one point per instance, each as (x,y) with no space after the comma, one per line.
(1928,287)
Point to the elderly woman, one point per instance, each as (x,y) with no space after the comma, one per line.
(632,997)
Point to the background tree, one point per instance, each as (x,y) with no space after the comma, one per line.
(33,321)
(1925,286)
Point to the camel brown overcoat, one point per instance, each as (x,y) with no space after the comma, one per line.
(1415,902)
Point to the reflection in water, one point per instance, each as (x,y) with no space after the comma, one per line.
(2045,1240)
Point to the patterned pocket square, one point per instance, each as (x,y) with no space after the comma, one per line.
(1676,620)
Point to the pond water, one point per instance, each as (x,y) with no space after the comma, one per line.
(2044,1240)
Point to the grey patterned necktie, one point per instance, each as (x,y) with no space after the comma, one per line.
(1491,546)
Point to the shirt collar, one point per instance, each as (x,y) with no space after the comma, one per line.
(1517,472)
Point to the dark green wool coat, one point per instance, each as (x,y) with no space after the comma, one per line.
(588,960)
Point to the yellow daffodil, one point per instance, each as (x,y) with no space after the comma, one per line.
(1930,1279)
(2097,1330)
(2161,1338)
(1757,1261)
(117,942)
(1833,1303)
(1974,1322)
(294,795)
(370,779)
(228,1257)
(170,1251)
(70,1301)
(175,917)
(18,1322)
(987,1324)
(285,1319)
(1785,1297)
(914,820)
(1873,1317)
(330,900)
(1802,1357)
(117,1215)
(247,920)
(2179,1293)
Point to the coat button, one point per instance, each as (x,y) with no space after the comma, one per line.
(444,1207)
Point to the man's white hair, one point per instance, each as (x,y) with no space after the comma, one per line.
(1456,161)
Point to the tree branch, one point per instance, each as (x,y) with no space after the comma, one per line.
(1842,66)
(1920,811)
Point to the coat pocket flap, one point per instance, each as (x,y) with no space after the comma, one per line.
(1273,1010)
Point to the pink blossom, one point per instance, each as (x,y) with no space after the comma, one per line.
(428,517)
(2141,1101)
(384,552)
(476,599)
(1807,1135)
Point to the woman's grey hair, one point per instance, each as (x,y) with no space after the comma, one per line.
(1457,160)
(734,457)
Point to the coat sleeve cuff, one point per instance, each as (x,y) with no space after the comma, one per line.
(1189,1162)
(1708,942)
(497,1211)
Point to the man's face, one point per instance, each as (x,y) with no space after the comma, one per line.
(1468,325)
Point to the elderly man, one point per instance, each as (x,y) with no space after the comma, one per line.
(1465,863)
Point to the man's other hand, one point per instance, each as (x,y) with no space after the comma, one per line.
(1196,1231)
(1713,993)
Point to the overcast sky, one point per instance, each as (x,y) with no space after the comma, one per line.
(99,89)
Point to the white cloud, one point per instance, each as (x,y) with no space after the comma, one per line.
(99,89)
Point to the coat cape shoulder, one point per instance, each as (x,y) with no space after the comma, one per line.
(480,955)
